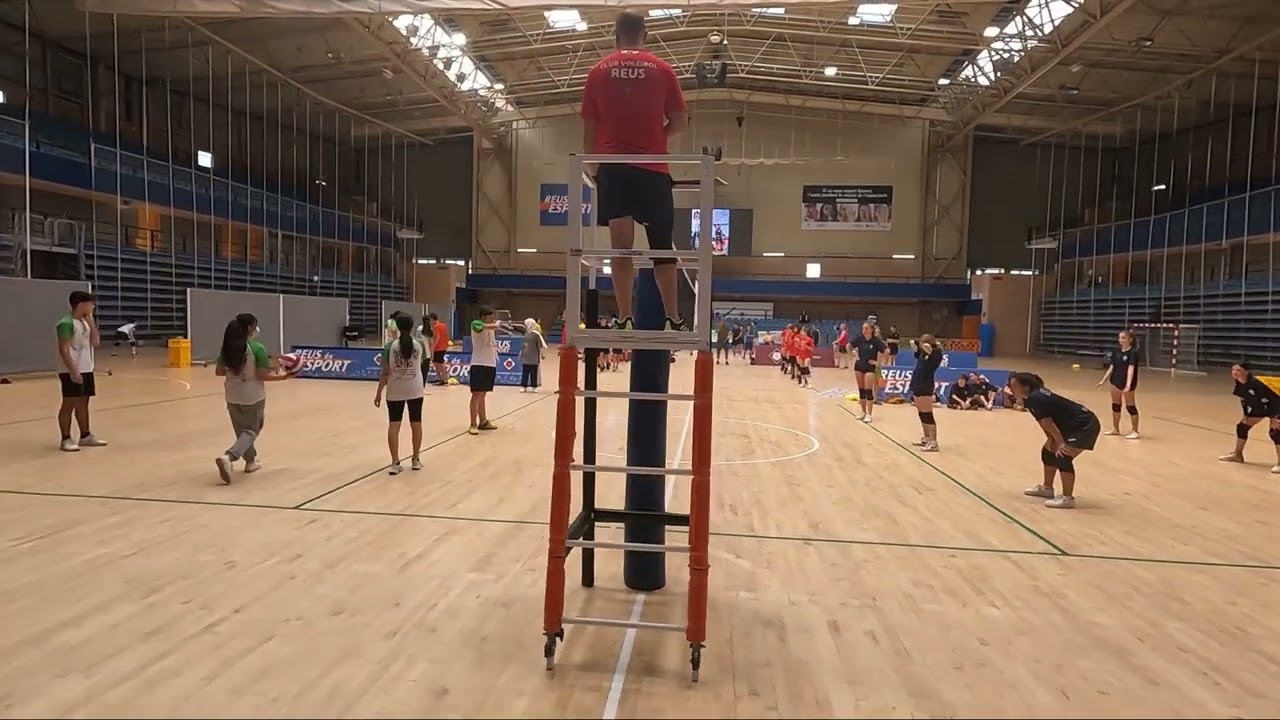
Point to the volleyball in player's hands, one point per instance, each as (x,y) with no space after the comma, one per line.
(290,363)
(477,326)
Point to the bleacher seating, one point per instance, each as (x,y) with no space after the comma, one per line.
(1236,320)
(151,288)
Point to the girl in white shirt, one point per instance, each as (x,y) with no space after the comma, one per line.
(401,378)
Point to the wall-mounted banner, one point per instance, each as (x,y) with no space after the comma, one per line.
(897,381)
(847,207)
(336,363)
(553,204)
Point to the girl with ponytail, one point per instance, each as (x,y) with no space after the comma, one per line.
(401,379)
(246,367)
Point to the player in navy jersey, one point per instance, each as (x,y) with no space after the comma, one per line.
(923,381)
(1069,428)
(1258,402)
(632,105)
(867,349)
(1122,374)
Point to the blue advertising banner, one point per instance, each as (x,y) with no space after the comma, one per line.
(897,381)
(553,204)
(950,358)
(339,363)
(507,344)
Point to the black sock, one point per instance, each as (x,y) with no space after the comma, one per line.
(66,438)
(84,434)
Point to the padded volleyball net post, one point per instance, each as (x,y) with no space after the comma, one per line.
(649,479)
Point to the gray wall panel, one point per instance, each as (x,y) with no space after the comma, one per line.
(209,311)
(31,309)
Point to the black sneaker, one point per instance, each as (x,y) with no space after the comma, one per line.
(677,324)
(625,323)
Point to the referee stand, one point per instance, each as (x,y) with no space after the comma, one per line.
(645,517)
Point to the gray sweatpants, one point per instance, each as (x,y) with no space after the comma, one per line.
(246,421)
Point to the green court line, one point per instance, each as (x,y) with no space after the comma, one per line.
(432,446)
(1057,548)
(113,408)
(846,542)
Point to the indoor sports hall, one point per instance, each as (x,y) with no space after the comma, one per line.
(1046,198)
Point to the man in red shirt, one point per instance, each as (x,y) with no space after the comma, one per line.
(633,105)
(439,344)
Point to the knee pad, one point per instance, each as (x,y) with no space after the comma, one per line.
(1066,464)
(1115,407)
(926,418)
(1275,436)
(865,393)
(1047,458)
(1242,431)
(1131,409)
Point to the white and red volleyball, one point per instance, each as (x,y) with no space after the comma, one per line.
(290,362)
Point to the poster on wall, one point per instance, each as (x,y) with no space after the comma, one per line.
(553,205)
(847,207)
(719,230)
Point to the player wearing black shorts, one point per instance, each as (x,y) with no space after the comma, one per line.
(923,381)
(866,350)
(893,340)
(1122,374)
(1070,429)
(1258,402)
(632,104)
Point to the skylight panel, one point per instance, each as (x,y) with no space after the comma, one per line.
(1018,37)
(880,13)
(665,12)
(769,11)
(445,50)
(563,19)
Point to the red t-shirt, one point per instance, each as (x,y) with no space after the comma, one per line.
(786,341)
(629,95)
(804,347)
(442,337)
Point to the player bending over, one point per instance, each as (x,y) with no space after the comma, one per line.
(1069,428)
(1259,402)
(632,105)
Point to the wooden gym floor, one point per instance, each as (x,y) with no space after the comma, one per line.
(850,576)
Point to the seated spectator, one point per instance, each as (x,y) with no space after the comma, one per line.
(983,393)
(961,395)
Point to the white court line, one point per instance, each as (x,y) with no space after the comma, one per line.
(154,377)
(629,640)
(813,443)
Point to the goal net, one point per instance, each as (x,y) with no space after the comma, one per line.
(1171,347)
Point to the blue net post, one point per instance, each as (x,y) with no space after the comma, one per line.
(647,444)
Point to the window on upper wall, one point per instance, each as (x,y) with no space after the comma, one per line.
(813,270)
(204,159)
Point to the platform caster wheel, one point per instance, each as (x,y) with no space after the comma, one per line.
(695,661)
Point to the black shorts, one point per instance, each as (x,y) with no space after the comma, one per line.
(863,367)
(923,391)
(395,410)
(640,194)
(86,388)
(123,337)
(843,349)
(1119,384)
(437,356)
(482,378)
(1086,437)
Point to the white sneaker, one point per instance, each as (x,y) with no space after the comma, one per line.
(415,464)
(866,419)
(1275,469)
(252,467)
(1133,436)
(92,441)
(395,469)
(929,447)
(1039,491)
(1110,433)
(1061,502)
(69,445)
(1232,457)
(921,442)
(224,463)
